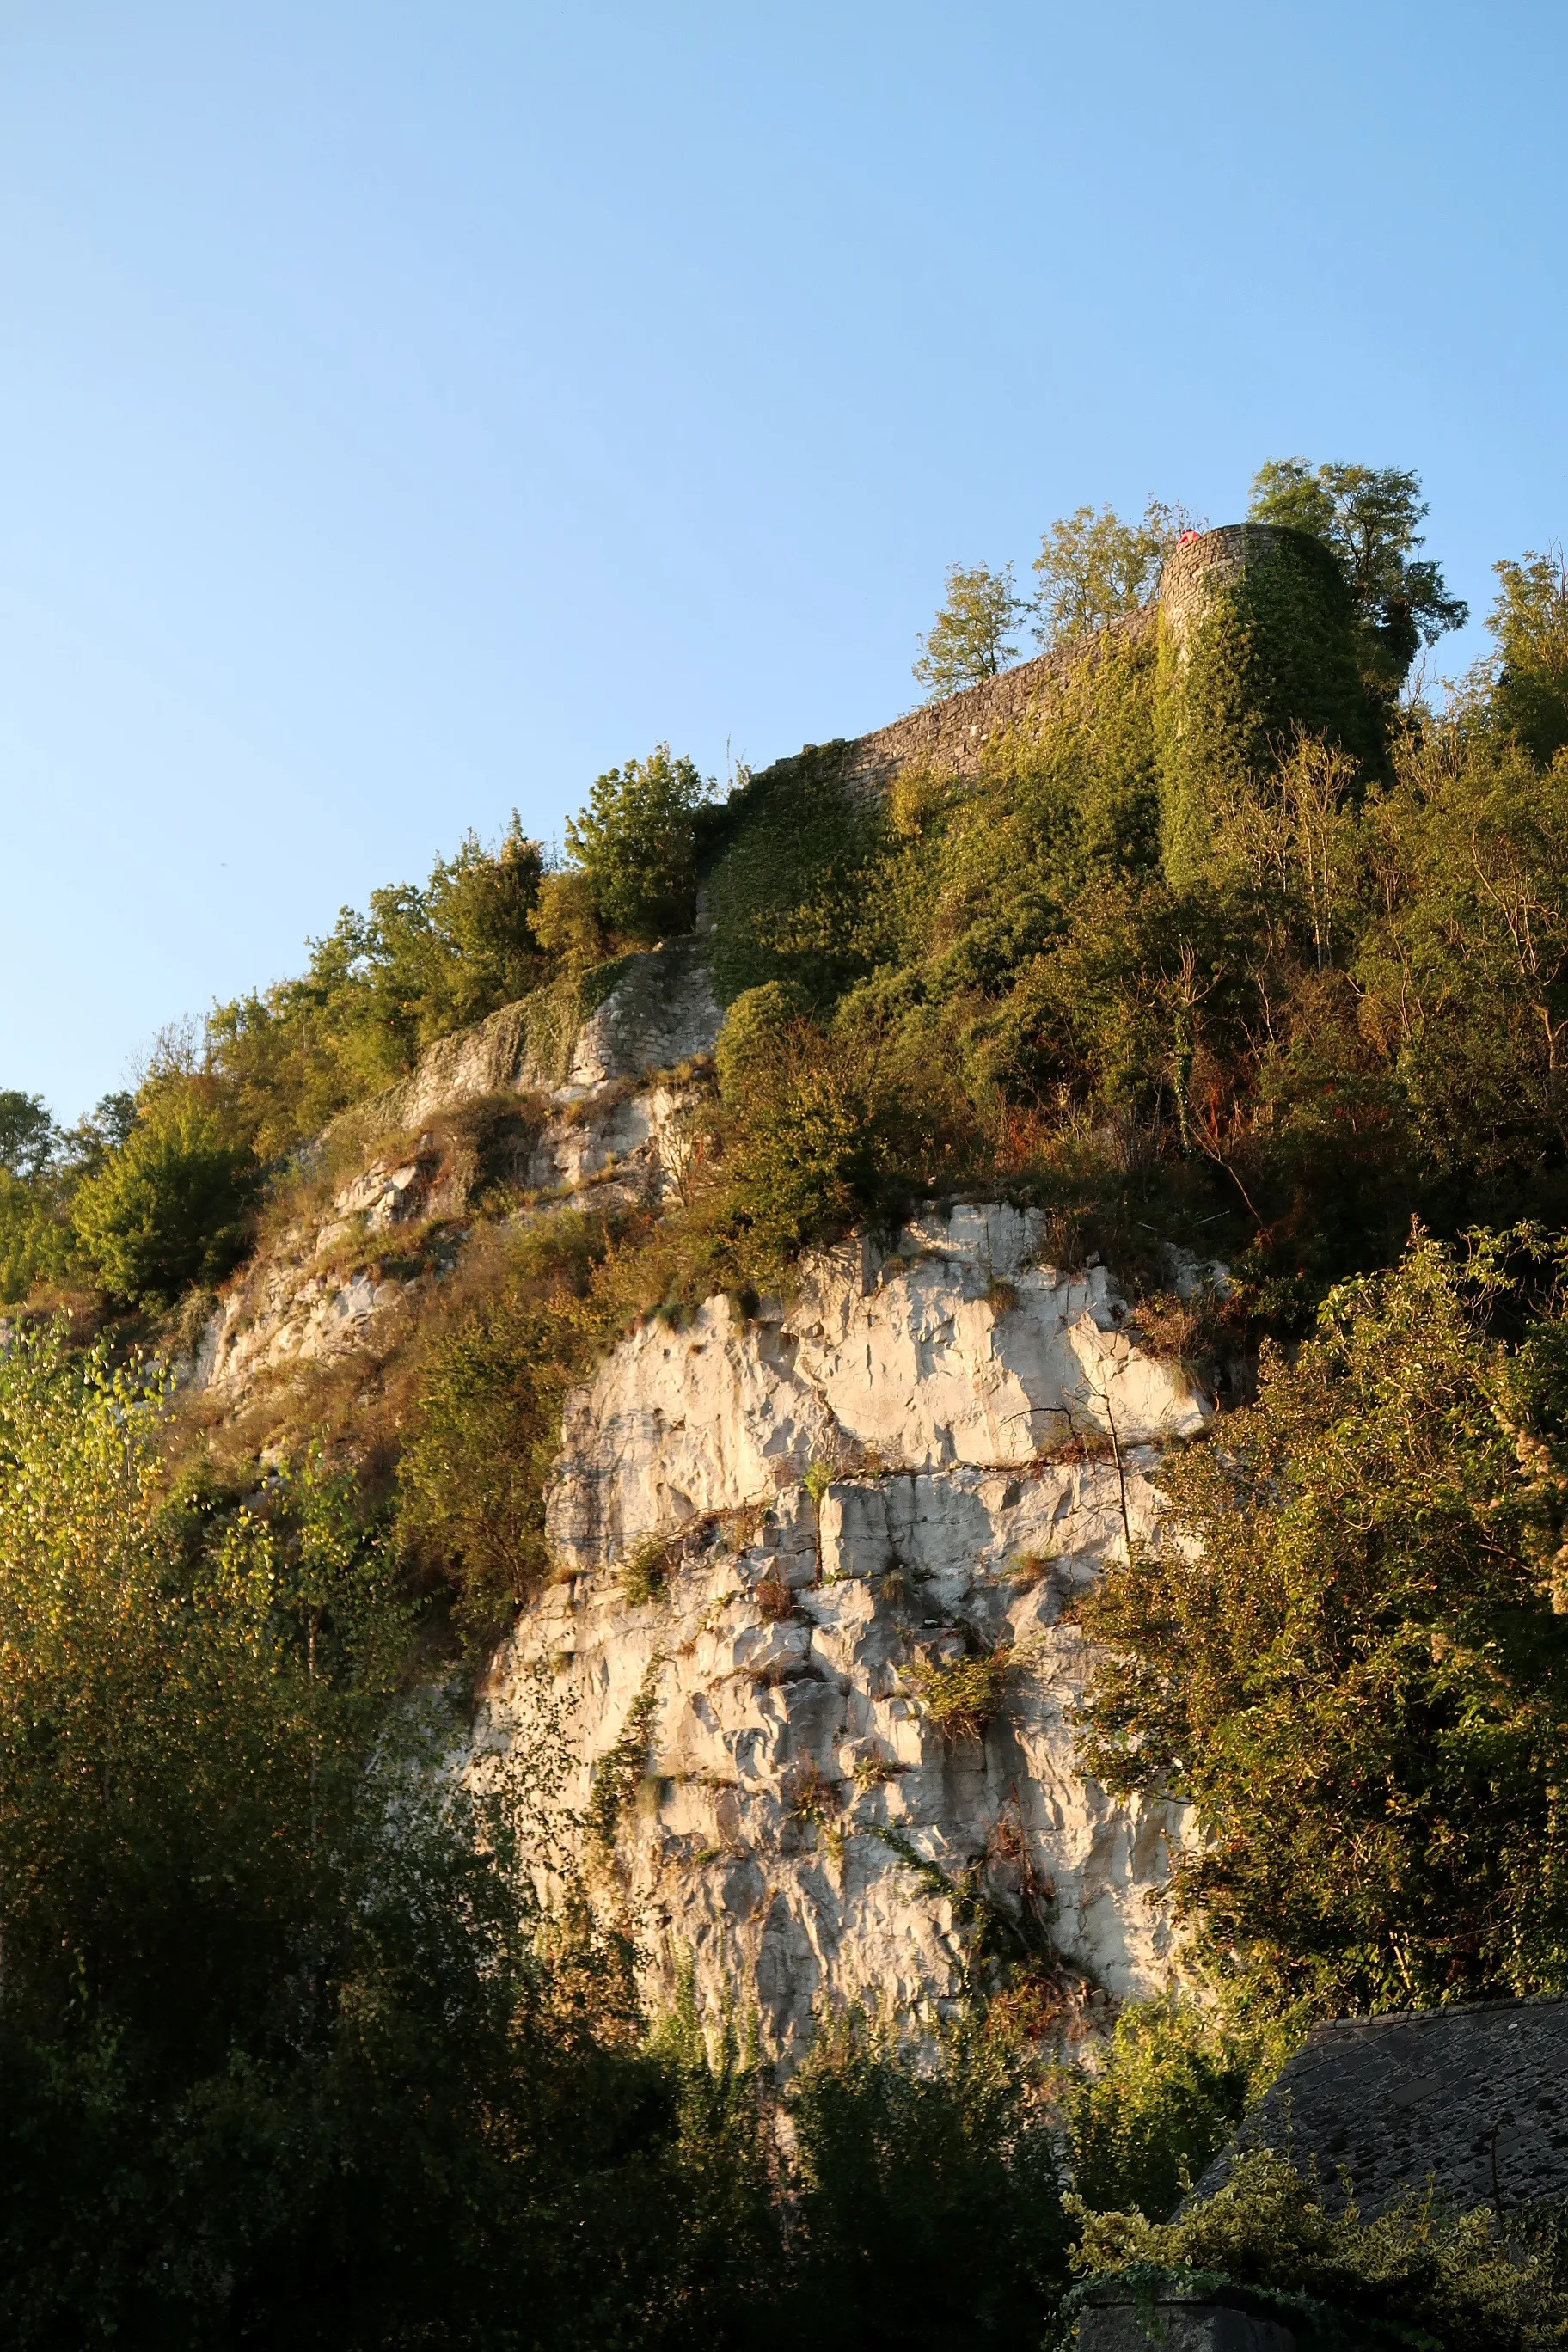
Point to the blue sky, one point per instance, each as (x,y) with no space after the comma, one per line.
(407,410)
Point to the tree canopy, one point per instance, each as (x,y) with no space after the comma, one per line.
(971,638)
(1093,568)
(1368,516)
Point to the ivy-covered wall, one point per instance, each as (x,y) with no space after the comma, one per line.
(1256,638)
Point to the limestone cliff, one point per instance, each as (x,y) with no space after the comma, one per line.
(772,1529)
(924,1458)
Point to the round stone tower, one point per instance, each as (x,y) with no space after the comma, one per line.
(1257,641)
(1202,568)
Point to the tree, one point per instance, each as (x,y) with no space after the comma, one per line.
(26,1133)
(636,842)
(1092,567)
(1344,1649)
(165,1209)
(1367,515)
(968,639)
(1529,624)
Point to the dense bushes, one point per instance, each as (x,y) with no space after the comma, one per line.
(1349,1013)
(165,1209)
(290,2054)
(1415,2274)
(1346,1650)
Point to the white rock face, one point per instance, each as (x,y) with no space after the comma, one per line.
(927,1358)
(952,1428)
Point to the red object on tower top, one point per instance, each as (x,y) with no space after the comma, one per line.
(1186,535)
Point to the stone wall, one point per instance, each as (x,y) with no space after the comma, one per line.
(950,737)
(1200,568)
(1473,2098)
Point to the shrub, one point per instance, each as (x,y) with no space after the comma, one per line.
(636,844)
(1344,1649)
(1163,2099)
(485,1422)
(646,1570)
(166,1209)
(927,2211)
(1415,2273)
(963,1696)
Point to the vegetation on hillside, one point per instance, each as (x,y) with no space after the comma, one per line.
(1237,944)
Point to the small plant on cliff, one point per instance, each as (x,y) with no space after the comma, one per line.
(645,1572)
(774,1600)
(623,1768)
(962,1695)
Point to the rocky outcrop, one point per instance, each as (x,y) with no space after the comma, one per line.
(951,1349)
(913,1467)
(576,1065)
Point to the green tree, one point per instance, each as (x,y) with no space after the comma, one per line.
(969,639)
(636,842)
(1344,1649)
(1093,568)
(167,1208)
(26,1133)
(1530,625)
(1367,515)
(960,2155)
(1157,2103)
(421,961)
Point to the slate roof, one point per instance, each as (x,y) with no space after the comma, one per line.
(1472,2098)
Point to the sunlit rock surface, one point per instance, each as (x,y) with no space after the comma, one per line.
(924,1457)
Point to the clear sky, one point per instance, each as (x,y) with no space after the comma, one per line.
(409,410)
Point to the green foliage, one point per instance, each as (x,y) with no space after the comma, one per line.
(962,1695)
(289,2053)
(187,1709)
(1367,517)
(636,844)
(567,923)
(1143,2119)
(485,1420)
(1415,2273)
(1274,653)
(36,1243)
(382,986)
(1530,625)
(621,1771)
(1094,568)
(1346,1651)
(786,890)
(928,2209)
(165,1209)
(27,1134)
(968,640)
(803,1161)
